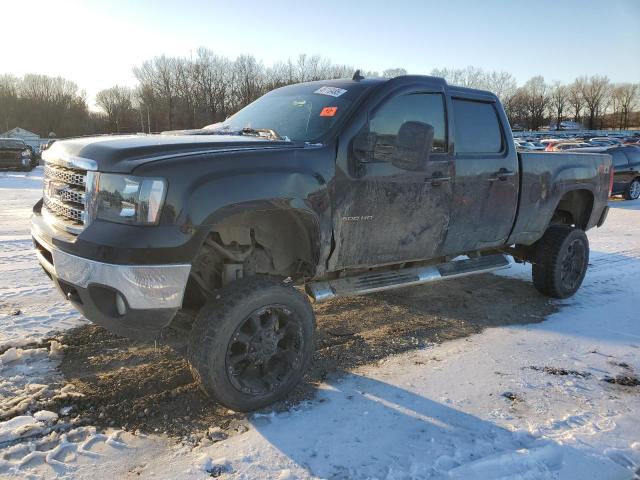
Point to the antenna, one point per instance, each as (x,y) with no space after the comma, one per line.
(356,76)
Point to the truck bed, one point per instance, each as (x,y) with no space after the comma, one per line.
(545,179)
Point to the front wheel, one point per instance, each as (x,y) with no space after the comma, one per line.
(633,190)
(252,344)
(560,261)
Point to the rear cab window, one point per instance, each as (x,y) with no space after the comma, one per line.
(477,127)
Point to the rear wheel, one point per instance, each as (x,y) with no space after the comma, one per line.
(560,261)
(633,190)
(252,344)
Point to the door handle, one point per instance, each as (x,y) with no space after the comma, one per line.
(438,179)
(503,174)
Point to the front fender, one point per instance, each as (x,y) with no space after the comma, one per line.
(300,195)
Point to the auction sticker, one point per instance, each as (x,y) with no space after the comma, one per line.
(328,111)
(331,91)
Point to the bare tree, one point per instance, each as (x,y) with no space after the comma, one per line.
(558,100)
(625,97)
(394,72)
(117,104)
(51,104)
(576,100)
(8,101)
(503,84)
(159,75)
(594,92)
(248,76)
(535,93)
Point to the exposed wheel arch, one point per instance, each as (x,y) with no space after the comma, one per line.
(270,241)
(288,235)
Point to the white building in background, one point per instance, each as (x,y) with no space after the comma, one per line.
(30,138)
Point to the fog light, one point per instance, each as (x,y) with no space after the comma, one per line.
(121,307)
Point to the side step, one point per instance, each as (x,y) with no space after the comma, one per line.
(378,281)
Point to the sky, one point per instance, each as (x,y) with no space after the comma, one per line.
(97,43)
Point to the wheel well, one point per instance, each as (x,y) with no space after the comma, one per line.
(275,242)
(574,208)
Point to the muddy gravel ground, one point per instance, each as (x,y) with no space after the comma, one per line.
(149,387)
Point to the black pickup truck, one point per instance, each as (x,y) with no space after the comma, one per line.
(313,191)
(15,154)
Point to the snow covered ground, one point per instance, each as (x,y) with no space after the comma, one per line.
(534,401)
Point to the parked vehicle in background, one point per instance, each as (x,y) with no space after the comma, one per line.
(626,165)
(559,147)
(15,154)
(343,187)
(528,146)
(605,141)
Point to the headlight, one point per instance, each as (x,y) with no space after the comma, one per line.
(129,199)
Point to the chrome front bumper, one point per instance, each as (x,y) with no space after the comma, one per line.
(144,287)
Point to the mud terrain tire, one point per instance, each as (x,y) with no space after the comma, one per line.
(266,324)
(560,261)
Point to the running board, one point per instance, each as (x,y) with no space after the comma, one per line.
(379,281)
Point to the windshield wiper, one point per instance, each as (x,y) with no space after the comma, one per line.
(263,132)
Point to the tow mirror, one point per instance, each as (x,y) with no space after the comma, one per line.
(363,146)
(413,146)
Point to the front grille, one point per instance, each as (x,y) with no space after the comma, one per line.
(65,196)
(63,210)
(66,175)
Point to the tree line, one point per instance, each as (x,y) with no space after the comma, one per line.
(45,105)
(594,102)
(182,93)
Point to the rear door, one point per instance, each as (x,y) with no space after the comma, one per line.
(486,182)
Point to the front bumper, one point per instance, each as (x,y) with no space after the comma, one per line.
(151,294)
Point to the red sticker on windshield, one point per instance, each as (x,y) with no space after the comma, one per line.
(328,111)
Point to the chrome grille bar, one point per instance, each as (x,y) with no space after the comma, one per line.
(66,175)
(65,196)
(60,208)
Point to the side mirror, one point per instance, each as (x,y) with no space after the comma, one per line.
(413,145)
(363,146)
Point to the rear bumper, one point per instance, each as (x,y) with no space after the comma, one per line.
(151,294)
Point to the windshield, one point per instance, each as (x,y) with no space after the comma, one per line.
(304,112)
(11,143)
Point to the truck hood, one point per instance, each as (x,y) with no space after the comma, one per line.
(123,153)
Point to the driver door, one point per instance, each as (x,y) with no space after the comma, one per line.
(386,214)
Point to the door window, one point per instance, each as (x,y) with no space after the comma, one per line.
(419,107)
(633,154)
(477,127)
